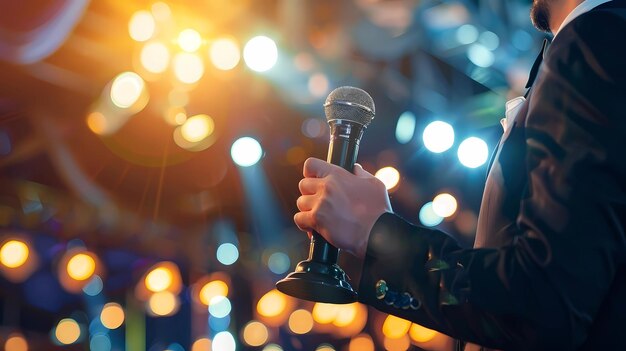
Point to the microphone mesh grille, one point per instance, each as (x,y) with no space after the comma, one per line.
(350,103)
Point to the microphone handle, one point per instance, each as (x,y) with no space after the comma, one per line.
(342,151)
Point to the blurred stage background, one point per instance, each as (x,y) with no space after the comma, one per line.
(150,153)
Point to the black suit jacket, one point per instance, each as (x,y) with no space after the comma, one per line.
(549,268)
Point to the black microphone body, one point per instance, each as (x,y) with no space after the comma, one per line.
(348,111)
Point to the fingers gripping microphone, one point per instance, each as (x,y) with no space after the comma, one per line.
(349,111)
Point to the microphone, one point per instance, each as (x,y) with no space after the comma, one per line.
(349,111)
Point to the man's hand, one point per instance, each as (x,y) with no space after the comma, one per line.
(339,205)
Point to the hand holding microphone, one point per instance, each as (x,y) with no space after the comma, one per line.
(339,205)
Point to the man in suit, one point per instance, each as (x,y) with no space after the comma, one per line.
(548,270)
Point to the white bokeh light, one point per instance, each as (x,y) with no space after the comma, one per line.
(444,205)
(246,151)
(428,217)
(219,306)
(126,89)
(473,152)
(188,68)
(223,341)
(389,176)
(260,53)
(438,136)
(227,254)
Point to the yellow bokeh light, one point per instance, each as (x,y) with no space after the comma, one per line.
(141,26)
(395,327)
(126,89)
(163,303)
(346,314)
(189,40)
(444,205)
(400,344)
(361,342)
(67,331)
(16,342)
(224,54)
(14,253)
(197,128)
(272,304)
(159,279)
(325,313)
(161,11)
(155,57)
(97,123)
(211,290)
(202,344)
(301,321)
(112,315)
(325,347)
(188,68)
(81,266)
(255,333)
(389,176)
(421,334)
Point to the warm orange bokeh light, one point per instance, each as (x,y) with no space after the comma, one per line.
(163,303)
(159,279)
(112,315)
(14,253)
(421,334)
(272,304)
(81,266)
(212,289)
(301,322)
(67,331)
(361,342)
(255,333)
(395,327)
(16,342)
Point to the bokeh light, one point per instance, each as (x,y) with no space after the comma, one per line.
(362,342)
(14,253)
(227,254)
(395,327)
(161,11)
(155,57)
(219,306)
(202,344)
(272,347)
(473,152)
(438,136)
(188,68)
(112,315)
(467,34)
(400,344)
(278,262)
(141,26)
(260,53)
(255,333)
(163,303)
(346,314)
(489,39)
(389,176)
(318,84)
(480,55)
(444,205)
(405,127)
(421,334)
(16,342)
(189,40)
(211,290)
(81,266)
(219,324)
(224,341)
(197,128)
(428,217)
(67,331)
(325,313)
(224,54)
(272,304)
(300,321)
(246,151)
(127,89)
(100,342)
(325,347)
(159,279)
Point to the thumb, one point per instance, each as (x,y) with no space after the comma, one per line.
(360,172)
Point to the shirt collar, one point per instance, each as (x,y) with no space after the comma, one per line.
(585,6)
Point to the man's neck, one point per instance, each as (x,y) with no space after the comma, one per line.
(559,10)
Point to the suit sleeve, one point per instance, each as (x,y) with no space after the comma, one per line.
(543,290)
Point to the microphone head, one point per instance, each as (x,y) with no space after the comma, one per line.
(350,104)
